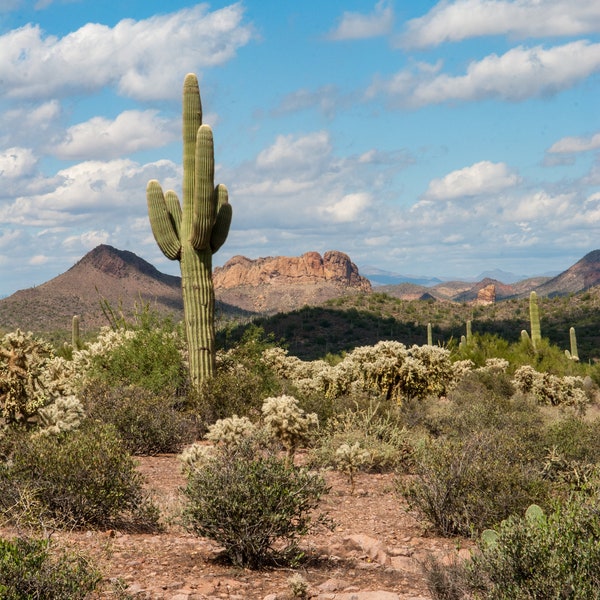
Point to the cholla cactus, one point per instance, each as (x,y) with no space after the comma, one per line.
(22,362)
(287,422)
(195,457)
(64,414)
(551,389)
(349,459)
(230,431)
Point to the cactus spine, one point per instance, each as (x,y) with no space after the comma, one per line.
(534,319)
(193,231)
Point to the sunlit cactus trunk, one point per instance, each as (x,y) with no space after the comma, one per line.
(192,233)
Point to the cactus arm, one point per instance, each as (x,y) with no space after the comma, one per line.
(161,222)
(220,229)
(174,208)
(204,195)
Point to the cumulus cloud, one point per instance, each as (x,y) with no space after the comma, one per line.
(131,131)
(16,162)
(356,26)
(463,19)
(481,178)
(135,56)
(519,74)
(295,153)
(575,145)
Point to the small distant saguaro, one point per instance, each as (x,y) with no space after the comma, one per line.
(193,231)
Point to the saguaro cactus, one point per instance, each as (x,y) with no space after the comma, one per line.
(534,318)
(192,232)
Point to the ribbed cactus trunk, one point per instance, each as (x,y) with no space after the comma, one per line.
(534,320)
(194,232)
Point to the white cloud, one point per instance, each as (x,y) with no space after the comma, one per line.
(135,56)
(326,98)
(481,178)
(16,162)
(131,131)
(295,153)
(517,75)
(574,145)
(347,209)
(356,26)
(462,19)
(37,260)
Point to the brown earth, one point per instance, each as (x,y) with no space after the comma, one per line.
(374,553)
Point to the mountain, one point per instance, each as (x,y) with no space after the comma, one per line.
(105,274)
(584,274)
(281,283)
(380,277)
(123,280)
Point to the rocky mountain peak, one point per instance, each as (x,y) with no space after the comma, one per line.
(311,268)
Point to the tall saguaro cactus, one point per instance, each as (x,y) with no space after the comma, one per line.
(193,231)
(534,319)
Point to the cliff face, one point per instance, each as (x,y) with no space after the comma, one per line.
(277,284)
(309,269)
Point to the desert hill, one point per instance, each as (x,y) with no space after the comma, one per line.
(244,286)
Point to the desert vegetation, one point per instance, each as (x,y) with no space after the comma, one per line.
(475,433)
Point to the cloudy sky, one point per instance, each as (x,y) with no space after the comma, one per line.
(420,137)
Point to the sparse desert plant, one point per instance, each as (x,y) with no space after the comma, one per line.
(32,568)
(287,422)
(375,426)
(552,555)
(77,478)
(64,414)
(462,486)
(349,459)
(254,504)
(147,422)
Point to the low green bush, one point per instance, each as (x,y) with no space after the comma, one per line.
(148,423)
(253,503)
(79,478)
(550,556)
(31,569)
(462,486)
(377,429)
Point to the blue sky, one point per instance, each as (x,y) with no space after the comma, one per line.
(430,138)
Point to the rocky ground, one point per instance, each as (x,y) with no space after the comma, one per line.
(374,553)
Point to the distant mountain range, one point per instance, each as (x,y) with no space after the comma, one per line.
(121,280)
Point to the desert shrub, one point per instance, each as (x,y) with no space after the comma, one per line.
(149,358)
(231,431)
(241,382)
(462,486)
(550,556)
(148,423)
(574,438)
(253,503)
(377,429)
(31,568)
(75,479)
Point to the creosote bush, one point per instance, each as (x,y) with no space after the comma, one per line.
(148,423)
(75,479)
(462,486)
(32,568)
(253,503)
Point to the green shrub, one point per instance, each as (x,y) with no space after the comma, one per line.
(241,382)
(376,427)
(148,423)
(575,439)
(551,556)
(147,354)
(30,569)
(78,478)
(462,486)
(253,503)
